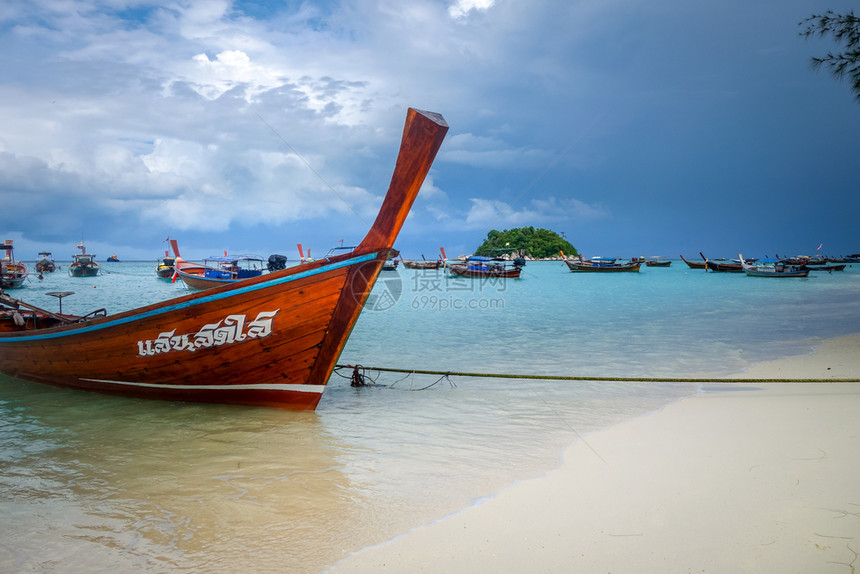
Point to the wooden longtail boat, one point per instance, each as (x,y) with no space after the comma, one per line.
(45,263)
(270,341)
(694,264)
(772,268)
(490,267)
(424,263)
(166,267)
(722,265)
(409,264)
(658,262)
(12,273)
(83,264)
(220,270)
(828,268)
(601,265)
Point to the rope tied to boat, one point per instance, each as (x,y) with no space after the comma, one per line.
(447,374)
(360,378)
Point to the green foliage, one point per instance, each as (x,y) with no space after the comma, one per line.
(538,243)
(845,29)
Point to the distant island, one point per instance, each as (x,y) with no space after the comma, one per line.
(527,242)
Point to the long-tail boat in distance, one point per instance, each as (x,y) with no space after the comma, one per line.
(602,265)
(218,270)
(12,273)
(658,261)
(83,263)
(424,263)
(722,265)
(477,266)
(45,263)
(271,340)
(694,264)
(772,268)
(166,266)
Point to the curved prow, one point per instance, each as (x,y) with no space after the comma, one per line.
(422,137)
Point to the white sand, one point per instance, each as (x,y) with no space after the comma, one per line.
(741,478)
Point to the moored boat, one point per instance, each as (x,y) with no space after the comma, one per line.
(694,264)
(772,268)
(271,340)
(45,263)
(423,264)
(490,267)
(602,265)
(218,270)
(12,273)
(722,265)
(828,268)
(166,266)
(83,263)
(112,259)
(657,262)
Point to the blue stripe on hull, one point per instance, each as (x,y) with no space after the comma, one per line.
(183,305)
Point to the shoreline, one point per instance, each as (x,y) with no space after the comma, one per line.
(757,477)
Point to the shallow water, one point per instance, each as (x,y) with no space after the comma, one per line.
(96,483)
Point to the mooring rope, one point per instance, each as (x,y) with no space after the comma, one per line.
(590,378)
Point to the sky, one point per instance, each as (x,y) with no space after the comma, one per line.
(631,127)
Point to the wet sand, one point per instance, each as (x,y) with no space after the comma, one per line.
(758,477)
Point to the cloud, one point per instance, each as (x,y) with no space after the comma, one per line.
(230,68)
(491,152)
(461,8)
(492,213)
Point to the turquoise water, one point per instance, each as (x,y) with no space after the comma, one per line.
(104,484)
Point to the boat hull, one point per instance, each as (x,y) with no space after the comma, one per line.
(693,264)
(421,264)
(775,270)
(84,271)
(724,267)
(45,267)
(13,275)
(768,273)
(464,271)
(577,267)
(199,282)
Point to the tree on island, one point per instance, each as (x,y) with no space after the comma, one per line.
(844,28)
(526,241)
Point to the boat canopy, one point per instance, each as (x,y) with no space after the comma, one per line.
(222,259)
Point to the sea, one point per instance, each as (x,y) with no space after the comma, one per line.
(93,483)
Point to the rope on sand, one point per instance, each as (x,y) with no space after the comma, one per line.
(587,378)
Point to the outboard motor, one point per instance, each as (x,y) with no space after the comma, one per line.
(276,262)
(519,262)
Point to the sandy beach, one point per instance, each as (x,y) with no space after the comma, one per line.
(758,477)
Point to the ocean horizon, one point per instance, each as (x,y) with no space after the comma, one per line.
(99,483)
